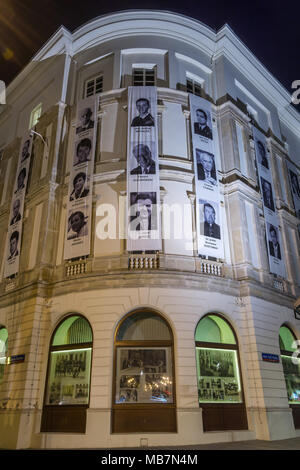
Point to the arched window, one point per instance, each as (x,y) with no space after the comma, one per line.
(291,370)
(3,348)
(143,390)
(68,378)
(220,388)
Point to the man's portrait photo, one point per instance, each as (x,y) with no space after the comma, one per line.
(86,121)
(267,194)
(142,212)
(79,188)
(77,225)
(16,215)
(274,246)
(211,228)
(25,151)
(83,151)
(144,118)
(295,184)
(201,125)
(21,180)
(262,155)
(206,168)
(13,245)
(143,156)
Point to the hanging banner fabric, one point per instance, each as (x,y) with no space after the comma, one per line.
(15,224)
(79,205)
(143,192)
(274,243)
(295,186)
(208,210)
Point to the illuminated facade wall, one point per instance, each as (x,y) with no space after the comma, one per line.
(177,55)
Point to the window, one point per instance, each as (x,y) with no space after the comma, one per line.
(218,375)
(291,371)
(143,392)
(193,86)
(35,115)
(3,349)
(93,86)
(143,77)
(68,377)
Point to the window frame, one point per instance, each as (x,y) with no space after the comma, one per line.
(33,120)
(144,70)
(192,88)
(94,80)
(74,409)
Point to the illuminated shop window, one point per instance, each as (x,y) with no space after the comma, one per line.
(70,363)
(143,77)
(35,115)
(217,362)
(93,86)
(291,369)
(143,390)
(3,349)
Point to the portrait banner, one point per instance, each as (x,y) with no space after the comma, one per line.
(295,186)
(15,223)
(143,191)
(79,203)
(274,243)
(208,210)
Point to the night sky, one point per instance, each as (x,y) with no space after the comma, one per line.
(270,29)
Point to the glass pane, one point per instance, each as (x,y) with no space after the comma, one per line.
(69,377)
(218,376)
(286,339)
(143,326)
(213,329)
(292,379)
(144,375)
(74,330)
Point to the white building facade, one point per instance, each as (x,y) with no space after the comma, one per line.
(164,345)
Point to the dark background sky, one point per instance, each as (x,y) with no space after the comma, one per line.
(270,29)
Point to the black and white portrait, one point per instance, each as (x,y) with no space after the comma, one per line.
(83,151)
(13,245)
(79,186)
(295,184)
(143,159)
(77,225)
(144,117)
(86,121)
(206,168)
(16,215)
(262,154)
(21,180)
(143,211)
(210,227)
(25,151)
(274,246)
(267,194)
(202,124)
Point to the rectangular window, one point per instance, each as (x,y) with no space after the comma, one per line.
(93,86)
(69,379)
(144,375)
(241,147)
(192,86)
(218,376)
(292,379)
(35,115)
(143,77)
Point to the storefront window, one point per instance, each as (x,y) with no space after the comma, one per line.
(70,363)
(144,372)
(3,347)
(291,367)
(217,362)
